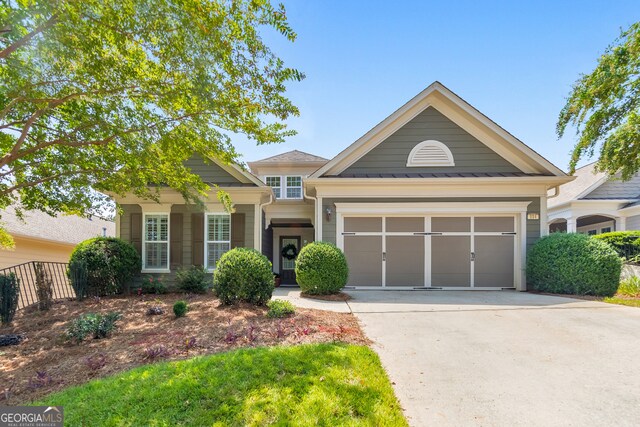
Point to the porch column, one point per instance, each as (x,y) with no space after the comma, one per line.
(620,224)
(571,225)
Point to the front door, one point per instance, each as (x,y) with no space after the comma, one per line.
(288,264)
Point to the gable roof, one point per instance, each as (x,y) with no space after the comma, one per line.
(237,172)
(586,181)
(67,229)
(294,156)
(464,115)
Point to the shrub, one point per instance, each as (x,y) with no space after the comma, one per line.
(193,279)
(280,308)
(630,287)
(44,287)
(321,269)
(243,274)
(153,285)
(625,243)
(97,325)
(79,276)
(180,308)
(111,264)
(9,292)
(570,263)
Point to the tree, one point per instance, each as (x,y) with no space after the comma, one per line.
(604,107)
(112,95)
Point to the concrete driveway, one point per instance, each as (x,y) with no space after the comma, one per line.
(506,358)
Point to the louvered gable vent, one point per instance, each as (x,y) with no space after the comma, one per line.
(430,153)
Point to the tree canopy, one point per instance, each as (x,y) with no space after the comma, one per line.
(604,107)
(112,95)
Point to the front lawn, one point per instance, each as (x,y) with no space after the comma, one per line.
(313,384)
(45,361)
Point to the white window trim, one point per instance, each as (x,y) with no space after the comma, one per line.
(144,243)
(206,235)
(266,179)
(283,186)
(412,162)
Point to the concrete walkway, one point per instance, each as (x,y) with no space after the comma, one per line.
(293,295)
(502,358)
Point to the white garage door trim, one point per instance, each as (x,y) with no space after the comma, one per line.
(450,209)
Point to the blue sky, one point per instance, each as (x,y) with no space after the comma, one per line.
(512,60)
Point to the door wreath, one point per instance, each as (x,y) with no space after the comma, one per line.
(289,252)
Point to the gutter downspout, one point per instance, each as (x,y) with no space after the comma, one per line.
(260,207)
(557,192)
(315,212)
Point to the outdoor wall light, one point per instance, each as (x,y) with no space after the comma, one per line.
(328,212)
(533,215)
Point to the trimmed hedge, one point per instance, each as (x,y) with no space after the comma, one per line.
(321,269)
(570,263)
(625,243)
(111,264)
(243,274)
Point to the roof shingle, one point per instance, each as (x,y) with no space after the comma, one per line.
(63,228)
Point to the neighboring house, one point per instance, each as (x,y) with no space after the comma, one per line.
(595,203)
(435,196)
(41,237)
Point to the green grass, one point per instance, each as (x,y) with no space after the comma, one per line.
(317,384)
(623,301)
(629,287)
(628,293)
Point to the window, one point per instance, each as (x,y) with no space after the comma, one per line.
(217,238)
(156,242)
(430,153)
(294,187)
(285,187)
(592,232)
(606,230)
(274,183)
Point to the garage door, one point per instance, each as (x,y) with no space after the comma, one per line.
(430,251)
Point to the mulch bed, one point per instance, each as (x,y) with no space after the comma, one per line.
(341,296)
(45,361)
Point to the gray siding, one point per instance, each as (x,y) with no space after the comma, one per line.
(329,227)
(249,218)
(616,189)
(470,155)
(633,222)
(210,172)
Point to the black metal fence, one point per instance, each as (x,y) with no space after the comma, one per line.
(56,272)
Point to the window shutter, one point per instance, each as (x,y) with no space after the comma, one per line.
(135,228)
(237,230)
(197,239)
(175,231)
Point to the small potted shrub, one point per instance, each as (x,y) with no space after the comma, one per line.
(276,280)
